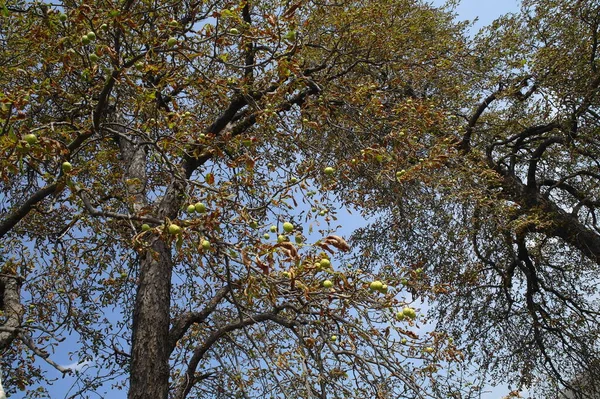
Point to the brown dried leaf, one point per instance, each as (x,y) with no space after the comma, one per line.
(337,242)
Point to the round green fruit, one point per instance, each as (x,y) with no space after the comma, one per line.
(172,41)
(384,289)
(30,138)
(91,35)
(62,17)
(94,58)
(174,229)
(234,31)
(254,224)
(85,40)
(104,26)
(409,312)
(281,238)
(400,173)
(273,229)
(376,285)
(400,315)
(200,207)
(286,274)
(329,171)
(191,208)
(327,284)
(288,227)
(429,349)
(333,338)
(145,227)
(205,245)
(293,180)
(66,167)
(298,239)
(139,66)
(266,236)
(324,263)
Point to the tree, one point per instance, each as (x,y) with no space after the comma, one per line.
(146,147)
(506,219)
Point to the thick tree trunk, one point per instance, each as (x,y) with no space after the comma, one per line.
(150,350)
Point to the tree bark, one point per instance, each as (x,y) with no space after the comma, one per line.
(150,350)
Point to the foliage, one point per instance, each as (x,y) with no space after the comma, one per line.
(167,138)
(507,223)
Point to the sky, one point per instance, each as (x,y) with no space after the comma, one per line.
(485,11)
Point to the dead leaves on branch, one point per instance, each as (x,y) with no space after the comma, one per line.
(335,241)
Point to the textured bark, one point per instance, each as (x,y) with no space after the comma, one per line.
(10,304)
(150,350)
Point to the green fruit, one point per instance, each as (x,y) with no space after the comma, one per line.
(205,245)
(403,341)
(384,289)
(172,41)
(400,173)
(404,281)
(254,224)
(94,58)
(174,229)
(139,65)
(291,36)
(30,138)
(376,285)
(333,338)
(234,31)
(429,349)
(400,315)
(104,26)
(329,171)
(62,17)
(145,227)
(327,284)
(91,35)
(286,274)
(200,207)
(266,236)
(409,312)
(85,39)
(293,180)
(288,227)
(273,229)
(191,208)
(281,238)
(325,263)
(66,167)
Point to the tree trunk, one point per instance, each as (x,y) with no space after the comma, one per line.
(149,377)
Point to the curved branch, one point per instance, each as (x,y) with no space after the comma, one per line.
(190,376)
(184,321)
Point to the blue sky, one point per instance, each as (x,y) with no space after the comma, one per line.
(486,11)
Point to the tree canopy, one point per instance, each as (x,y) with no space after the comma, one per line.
(173,175)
